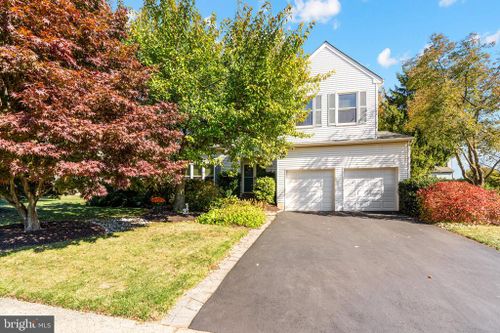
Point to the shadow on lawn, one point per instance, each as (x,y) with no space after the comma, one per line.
(67,208)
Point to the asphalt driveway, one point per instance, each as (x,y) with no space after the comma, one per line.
(317,273)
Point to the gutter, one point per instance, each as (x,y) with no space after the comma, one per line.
(352,142)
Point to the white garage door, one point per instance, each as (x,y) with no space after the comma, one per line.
(370,189)
(309,190)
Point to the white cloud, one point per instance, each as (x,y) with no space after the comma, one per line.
(384,58)
(493,38)
(446,3)
(336,24)
(315,10)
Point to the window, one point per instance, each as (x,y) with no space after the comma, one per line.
(314,116)
(209,172)
(347,108)
(197,171)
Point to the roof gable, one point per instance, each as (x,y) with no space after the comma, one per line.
(376,78)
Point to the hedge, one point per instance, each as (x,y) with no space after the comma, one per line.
(459,202)
(265,189)
(408,188)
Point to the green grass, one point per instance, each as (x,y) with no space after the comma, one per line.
(71,207)
(486,234)
(137,274)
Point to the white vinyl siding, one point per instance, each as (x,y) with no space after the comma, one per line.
(346,78)
(380,155)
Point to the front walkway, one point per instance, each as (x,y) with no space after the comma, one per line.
(320,273)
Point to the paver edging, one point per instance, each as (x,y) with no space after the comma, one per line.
(188,306)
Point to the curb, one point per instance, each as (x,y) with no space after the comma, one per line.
(188,306)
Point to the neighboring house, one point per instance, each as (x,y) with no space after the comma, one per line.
(443,172)
(346,164)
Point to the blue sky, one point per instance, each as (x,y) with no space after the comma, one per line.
(380,33)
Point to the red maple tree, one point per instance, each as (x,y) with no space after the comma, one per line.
(74,106)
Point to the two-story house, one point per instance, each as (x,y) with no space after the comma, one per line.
(345,164)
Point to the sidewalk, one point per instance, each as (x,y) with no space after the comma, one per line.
(70,321)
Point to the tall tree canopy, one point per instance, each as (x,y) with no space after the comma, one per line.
(456,102)
(241,86)
(394,117)
(74,104)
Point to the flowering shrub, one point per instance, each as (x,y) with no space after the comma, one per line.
(459,202)
(157,200)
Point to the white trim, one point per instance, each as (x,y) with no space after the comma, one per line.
(351,142)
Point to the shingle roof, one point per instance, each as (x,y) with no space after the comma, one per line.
(440,169)
(391,135)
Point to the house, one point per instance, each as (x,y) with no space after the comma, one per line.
(442,172)
(345,164)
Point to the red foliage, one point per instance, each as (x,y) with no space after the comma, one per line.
(459,202)
(74,100)
(157,200)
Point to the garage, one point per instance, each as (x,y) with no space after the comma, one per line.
(370,189)
(309,190)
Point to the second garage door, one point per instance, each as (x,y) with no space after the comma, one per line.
(309,190)
(370,189)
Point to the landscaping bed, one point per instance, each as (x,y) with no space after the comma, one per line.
(12,236)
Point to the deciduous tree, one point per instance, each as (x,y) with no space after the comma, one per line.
(394,117)
(456,102)
(241,86)
(74,104)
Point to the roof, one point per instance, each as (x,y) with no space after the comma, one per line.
(352,60)
(382,137)
(391,135)
(440,169)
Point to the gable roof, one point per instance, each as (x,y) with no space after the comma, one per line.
(349,59)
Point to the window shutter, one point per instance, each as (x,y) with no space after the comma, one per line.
(317,110)
(362,107)
(331,109)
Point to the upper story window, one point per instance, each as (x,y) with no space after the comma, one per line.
(314,116)
(347,108)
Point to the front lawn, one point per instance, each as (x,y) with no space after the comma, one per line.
(486,234)
(71,207)
(137,274)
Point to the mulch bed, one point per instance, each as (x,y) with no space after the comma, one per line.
(163,214)
(13,236)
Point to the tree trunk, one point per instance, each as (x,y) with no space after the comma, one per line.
(32,223)
(23,213)
(180,196)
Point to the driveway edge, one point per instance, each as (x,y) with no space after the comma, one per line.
(188,306)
